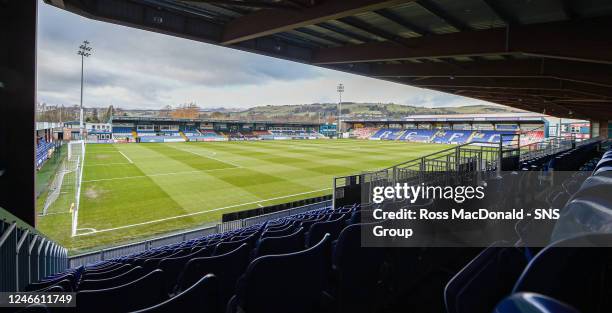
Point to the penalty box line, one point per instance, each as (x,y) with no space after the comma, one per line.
(161,174)
(197,213)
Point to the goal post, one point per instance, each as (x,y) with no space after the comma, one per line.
(76,157)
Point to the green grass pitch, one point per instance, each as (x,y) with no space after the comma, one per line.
(135,191)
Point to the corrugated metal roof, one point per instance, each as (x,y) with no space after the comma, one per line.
(431,35)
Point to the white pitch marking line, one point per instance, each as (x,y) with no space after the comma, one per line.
(160,174)
(125,156)
(105,164)
(207,156)
(90,231)
(54,213)
(198,213)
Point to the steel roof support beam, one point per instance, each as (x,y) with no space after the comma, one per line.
(596,74)
(583,40)
(434,9)
(510,83)
(252,4)
(272,21)
(390,15)
(361,25)
(547,93)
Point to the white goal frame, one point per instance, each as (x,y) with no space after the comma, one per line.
(77,155)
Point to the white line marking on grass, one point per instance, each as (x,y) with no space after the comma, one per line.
(105,164)
(54,213)
(89,231)
(207,156)
(125,156)
(199,212)
(161,174)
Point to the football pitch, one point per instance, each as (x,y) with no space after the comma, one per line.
(130,192)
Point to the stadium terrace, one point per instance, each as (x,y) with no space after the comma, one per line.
(155,129)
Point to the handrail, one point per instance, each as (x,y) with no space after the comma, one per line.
(448,153)
(7,233)
(32,244)
(22,239)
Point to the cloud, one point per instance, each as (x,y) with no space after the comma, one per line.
(133,68)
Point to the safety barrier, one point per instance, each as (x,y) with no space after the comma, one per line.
(25,254)
(462,159)
(141,246)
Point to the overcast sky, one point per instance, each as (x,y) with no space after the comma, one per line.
(132,68)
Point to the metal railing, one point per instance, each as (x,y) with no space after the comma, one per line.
(26,255)
(141,246)
(546,147)
(462,159)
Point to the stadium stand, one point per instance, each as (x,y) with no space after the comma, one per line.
(363,132)
(248,269)
(529,137)
(122,133)
(489,136)
(42,151)
(295,134)
(418,135)
(387,134)
(452,136)
(206,135)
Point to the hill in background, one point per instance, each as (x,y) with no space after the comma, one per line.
(328,111)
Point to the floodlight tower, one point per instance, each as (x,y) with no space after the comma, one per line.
(340,91)
(84,52)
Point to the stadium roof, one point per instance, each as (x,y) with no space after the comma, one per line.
(549,56)
(145,119)
(488,117)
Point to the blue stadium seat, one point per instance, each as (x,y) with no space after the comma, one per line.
(201,297)
(228,246)
(279,232)
(387,134)
(570,273)
(109,273)
(418,135)
(152,262)
(357,281)
(284,283)
(172,266)
(452,136)
(527,302)
(484,281)
(50,282)
(227,268)
(138,294)
(280,245)
(319,229)
(118,280)
(60,286)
